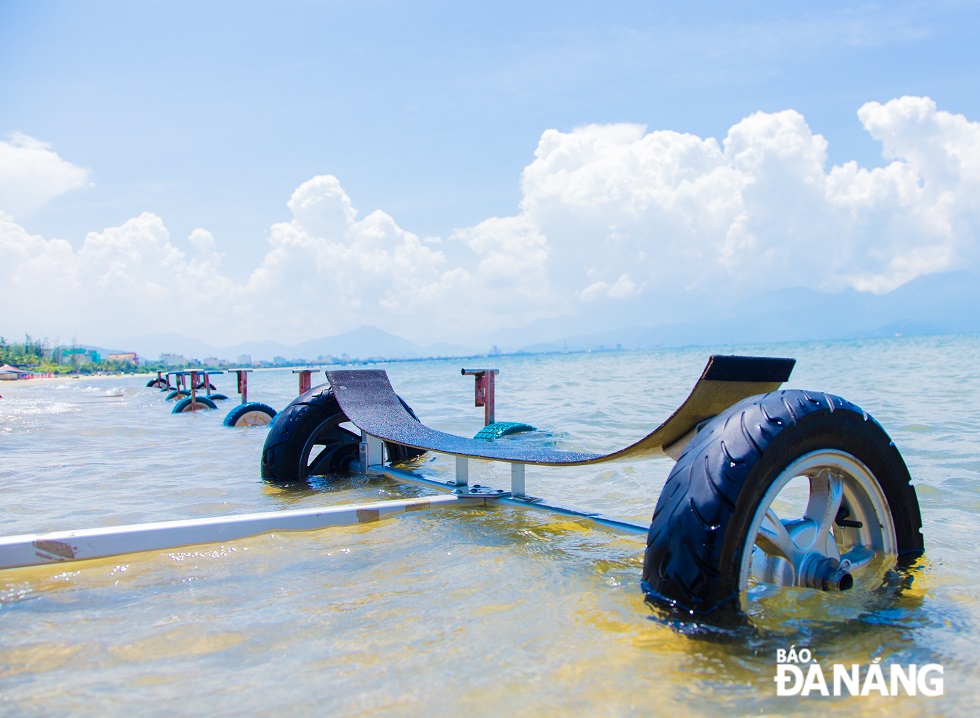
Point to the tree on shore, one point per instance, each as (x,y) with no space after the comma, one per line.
(37,355)
(29,353)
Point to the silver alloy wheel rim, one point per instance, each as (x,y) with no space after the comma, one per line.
(781,552)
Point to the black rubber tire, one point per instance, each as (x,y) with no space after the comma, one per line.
(250,414)
(311,419)
(158,383)
(186,405)
(200,386)
(216,397)
(177,394)
(699,529)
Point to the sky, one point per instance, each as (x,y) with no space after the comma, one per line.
(442,170)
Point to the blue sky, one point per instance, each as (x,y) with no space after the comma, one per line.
(209,116)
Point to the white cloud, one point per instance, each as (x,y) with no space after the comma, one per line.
(624,287)
(613,219)
(621,289)
(32,174)
(327,271)
(760,210)
(130,278)
(921,213)
(203,241)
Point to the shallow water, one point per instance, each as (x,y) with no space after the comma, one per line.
(482,610)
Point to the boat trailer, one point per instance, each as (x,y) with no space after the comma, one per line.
(716,537)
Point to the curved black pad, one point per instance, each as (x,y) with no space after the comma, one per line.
(369,402)
(735,368)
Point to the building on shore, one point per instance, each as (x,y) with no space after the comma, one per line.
(11,373)
(79,356)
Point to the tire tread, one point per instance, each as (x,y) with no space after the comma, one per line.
(688,562)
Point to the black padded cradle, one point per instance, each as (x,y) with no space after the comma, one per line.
(368,400)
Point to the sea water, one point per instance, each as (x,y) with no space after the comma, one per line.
(476,611)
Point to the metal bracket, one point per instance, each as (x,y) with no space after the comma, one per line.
(483,492)
(517,479)
(371,451)
(462,471)
(525,499)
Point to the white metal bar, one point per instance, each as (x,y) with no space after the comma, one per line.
(60,546)
(517,472)
(626,527)
(619,525)
(462,471)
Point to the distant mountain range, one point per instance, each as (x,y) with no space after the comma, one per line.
(361,343)
(946,303)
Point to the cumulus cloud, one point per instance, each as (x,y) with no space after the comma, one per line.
(611,218)
(32,174)
(131,278)
(624,210)
(920,213)
(326,270)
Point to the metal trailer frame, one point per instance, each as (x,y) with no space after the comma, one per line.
(370,403)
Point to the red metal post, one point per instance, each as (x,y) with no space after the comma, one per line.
(484,391)
(207,380)
(194,389)
(489,398)
(243,383)
(480,397)
(304,379)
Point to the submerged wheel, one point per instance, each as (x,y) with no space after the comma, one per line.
(188,404)
(791,488)
(201,386)
(158,383)
(251,413)
(216,397)
(177,394)
(307,439)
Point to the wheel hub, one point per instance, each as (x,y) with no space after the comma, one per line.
(844,524)
(825,573)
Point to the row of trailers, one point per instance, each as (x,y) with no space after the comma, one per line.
(193,390)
